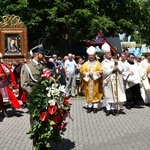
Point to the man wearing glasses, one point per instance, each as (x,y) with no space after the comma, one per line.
(133,83)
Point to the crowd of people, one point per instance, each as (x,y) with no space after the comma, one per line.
(124,80)
(116,81)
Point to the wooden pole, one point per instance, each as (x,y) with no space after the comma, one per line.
(116,75)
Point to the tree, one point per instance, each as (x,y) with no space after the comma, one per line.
(65,22)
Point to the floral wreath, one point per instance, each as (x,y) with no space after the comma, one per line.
(48,108)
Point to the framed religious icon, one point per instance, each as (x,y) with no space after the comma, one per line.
(13,38)
(12,43)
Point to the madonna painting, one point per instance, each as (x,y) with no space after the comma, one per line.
(12,44)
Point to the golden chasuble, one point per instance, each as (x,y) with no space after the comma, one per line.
(92,89)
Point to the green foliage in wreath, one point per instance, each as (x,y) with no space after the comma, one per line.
(48,110)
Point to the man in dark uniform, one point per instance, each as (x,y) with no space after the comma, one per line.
(31,71)
(48,64)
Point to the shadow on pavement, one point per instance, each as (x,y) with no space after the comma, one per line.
(66,144)
(1,117)
(11,113)
(139,107)
(148,105)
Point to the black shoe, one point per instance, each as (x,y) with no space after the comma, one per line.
(141,103)
(114,112)
(132,105)
(107,112)
(4,114)
(85,107)
(89,110)
(121,112)
(128,107)
(74,96)
(24,105)
(94,110)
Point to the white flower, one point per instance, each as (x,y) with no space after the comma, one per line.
(47,88)
(62,88)
(55,85)
(59,103)
(52,102)
(57,92)
(52,92)
(48,94)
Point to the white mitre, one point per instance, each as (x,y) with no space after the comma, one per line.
(91,50)
(105,48)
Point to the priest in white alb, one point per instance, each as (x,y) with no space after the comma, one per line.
(114,91)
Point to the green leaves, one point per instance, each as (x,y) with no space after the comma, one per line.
(23,3)
(77,20)
(101,24)
(48,111)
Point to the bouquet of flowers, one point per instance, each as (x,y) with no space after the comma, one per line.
(48,108)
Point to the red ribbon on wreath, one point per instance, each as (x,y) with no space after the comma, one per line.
(47,74)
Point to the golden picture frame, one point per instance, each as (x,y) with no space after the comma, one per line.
(13,42)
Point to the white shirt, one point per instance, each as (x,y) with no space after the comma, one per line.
(71,66)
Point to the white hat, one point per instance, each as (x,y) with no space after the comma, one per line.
(91,50)
(105,48)
(39,48)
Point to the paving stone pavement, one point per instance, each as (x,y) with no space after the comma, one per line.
(128,131)
(13,130)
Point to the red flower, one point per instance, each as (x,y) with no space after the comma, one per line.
(66,98)
(52,109)
(62,115)
(61,112)
(44,116)
(66,101)
(63,125)
(57,119)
